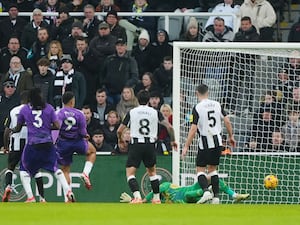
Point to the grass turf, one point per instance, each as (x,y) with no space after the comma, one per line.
(123,214)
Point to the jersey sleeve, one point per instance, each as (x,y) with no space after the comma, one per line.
(224,113)
(126,119)
(195,116)
(160,116)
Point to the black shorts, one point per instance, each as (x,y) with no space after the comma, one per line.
(208,157)
(141,152)
(13,159)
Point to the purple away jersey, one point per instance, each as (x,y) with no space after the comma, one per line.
(38,123)
(73,123)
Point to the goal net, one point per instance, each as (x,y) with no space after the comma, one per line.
(258,85)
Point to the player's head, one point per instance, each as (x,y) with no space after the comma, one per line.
(68,99)
(143,97)
(36,99)
(202,91)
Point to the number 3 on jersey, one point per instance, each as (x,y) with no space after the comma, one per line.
(38,122)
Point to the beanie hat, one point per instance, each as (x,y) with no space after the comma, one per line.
(192,23)
(77,24)
(144,34)
(112,12)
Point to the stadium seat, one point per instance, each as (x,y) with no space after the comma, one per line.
(175,25)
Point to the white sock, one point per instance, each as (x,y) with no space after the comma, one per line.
(87,167)
(156,196)
(137,194)
(61,178)
(25,179)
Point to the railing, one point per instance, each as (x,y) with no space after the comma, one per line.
(166,15)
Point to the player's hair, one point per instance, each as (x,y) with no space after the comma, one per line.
(143,97)
(36,100)
(24,96)
(202,89)
(67,96)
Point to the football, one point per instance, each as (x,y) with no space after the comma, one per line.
(271,182)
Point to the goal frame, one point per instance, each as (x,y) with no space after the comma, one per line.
(176,85)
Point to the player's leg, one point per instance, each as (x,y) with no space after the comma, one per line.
(201,163)
(214,177)
(66,187)
(12,161)
(90,159)
(133,162)
(40,186)
(26,179)
(149,159)
(232,194)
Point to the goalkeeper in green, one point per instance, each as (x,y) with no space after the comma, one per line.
(171,193)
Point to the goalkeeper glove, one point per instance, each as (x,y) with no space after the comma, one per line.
(125,198)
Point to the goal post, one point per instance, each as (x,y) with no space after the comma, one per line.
(256,84)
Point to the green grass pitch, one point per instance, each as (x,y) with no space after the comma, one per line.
(147,214)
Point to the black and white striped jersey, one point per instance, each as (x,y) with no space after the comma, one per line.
(208,116)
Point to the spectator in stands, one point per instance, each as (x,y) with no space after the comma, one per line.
(98,140)
(68,44)
(119,67)
(102,107)
(164,144)
(160,48)
(262,16)
(148,83)
(227,6)
(39,49)
(12,25)
(164,76)
(8,100)
(294,65)
(106,6)
(22,78)
(76,5)
(128,101)
(51,6)
(86,63)
(263,127)
(247,32)
(110,128)
(135,24)
(63,25)
(294,34)
(123,143)
(294,103)
(13,49)
(124,5)
(103,44)
(183,6)
(142,53)
(193,31)
(92,124)
(90,22)
(44,78)
(291,130)
(156,100)
(68,79)
(113,22)
(30,30)
(283,87)
(54,55)
(219,33)
(279,143)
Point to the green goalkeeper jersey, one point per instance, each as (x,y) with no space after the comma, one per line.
(171,193)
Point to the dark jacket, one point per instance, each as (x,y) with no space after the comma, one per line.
(294,34)
(119,72)
(143,58)
(63,30)
(5,57)
(164,80)
(92,30)
(6,104)
(44,82)
(246,36)
(7,30)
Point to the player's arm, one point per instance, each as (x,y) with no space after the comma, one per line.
(6,140)
(170,130)
(123,125)
(55,125)
(18,128)
(192,132)
(228,126)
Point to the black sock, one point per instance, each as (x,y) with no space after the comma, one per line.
(202,180)
(155,186)
(8,178)
(215,185)
(40,186)
(133,185)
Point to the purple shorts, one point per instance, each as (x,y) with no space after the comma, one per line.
(66,149)
(36,157)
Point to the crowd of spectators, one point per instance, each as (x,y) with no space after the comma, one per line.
(106,60)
